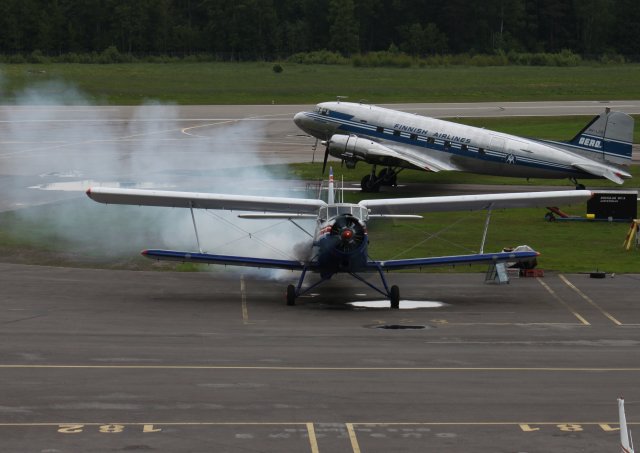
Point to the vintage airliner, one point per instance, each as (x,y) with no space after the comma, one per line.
(340,242)
(398,140)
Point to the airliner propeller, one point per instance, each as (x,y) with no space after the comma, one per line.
(326,154)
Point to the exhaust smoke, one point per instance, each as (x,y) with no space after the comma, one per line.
(52,138)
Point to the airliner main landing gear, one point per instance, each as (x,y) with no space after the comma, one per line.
(369,185)
(372,182)
(578,185)
(388,177)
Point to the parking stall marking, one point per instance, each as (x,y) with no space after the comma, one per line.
(563,303)
(589,300)
(530,427)
(353,438)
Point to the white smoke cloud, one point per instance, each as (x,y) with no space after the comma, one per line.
(150,148)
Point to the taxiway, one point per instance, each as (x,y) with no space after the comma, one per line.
(114,361)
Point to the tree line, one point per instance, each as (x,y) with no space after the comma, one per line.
(271,29)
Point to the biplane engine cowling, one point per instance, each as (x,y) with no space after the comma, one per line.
(347,234)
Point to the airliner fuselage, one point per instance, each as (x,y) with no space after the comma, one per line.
(398,140)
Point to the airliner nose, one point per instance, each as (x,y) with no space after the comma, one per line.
(299,119)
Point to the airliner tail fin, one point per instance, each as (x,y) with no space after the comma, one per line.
(608,136)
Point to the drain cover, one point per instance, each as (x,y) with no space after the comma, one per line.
(398,327)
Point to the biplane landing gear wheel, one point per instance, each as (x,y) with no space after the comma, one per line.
(368,184)
(291,295)
(394,296)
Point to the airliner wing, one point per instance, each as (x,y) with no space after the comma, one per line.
(420,160)
(204,200)
(603,171)
(384,153)
(475,202)
(206,258)
(479,258)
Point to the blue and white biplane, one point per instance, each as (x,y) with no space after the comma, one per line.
(340,240)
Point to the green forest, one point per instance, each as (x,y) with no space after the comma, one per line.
(272,29)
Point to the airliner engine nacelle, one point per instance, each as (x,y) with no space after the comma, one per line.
(351,149)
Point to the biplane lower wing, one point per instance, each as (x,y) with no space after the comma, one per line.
(478,258)
(206,258)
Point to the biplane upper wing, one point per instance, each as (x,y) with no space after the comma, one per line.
(198,200)
(475,202)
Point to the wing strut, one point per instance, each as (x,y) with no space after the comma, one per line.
(299,227)
(195,228)
(386,292)
(486,228)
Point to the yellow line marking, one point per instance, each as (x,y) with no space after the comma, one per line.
(165,424)
(353,438)
(350,426)
(511,323)
(312,368)
(243,294)
(312,438)
(562,302)
(588,299)
(367,424)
